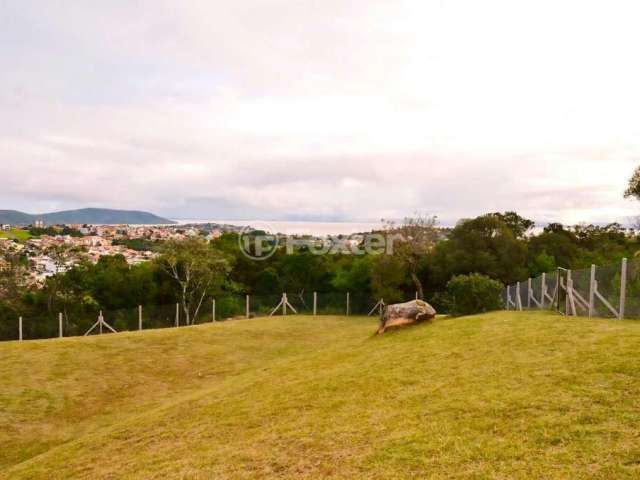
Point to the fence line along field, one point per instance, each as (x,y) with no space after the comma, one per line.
(611,291)
(97,320)
(500,395)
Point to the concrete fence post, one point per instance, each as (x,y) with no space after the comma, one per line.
(315,303)
(529,293)
(568,286)
(213,310)
(543,290)
(60,325)
(592,290)
(20,328)
(572,297)
(177,314)
(348,306)
(508,296)
(139,317)
(284,304)
(247,308)
(556,298)
(623,288)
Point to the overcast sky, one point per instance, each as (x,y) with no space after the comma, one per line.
(321,110)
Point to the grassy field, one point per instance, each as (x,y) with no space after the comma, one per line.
(16,234)
(501,395)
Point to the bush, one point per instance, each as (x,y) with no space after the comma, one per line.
(439,301)
(475,293)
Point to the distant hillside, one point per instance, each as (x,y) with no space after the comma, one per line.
(13,217)
(96,216)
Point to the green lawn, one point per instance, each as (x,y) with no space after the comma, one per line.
(16,234)
(501,395)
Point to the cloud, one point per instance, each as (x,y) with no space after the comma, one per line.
(320,110)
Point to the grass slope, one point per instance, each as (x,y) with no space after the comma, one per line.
(501,395)
(16,234)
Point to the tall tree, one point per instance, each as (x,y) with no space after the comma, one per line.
(62,257)
(196,268)
(12,274)
(633,188)
(388,278)
(353,274)
(519,225)
(412,240)
(483,245)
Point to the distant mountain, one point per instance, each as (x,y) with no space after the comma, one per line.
(95,216)
(13,217)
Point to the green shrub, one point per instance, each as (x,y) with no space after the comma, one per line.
(475,293)
(439,301)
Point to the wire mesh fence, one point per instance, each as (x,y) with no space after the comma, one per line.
(611,291)
(95,321)
(562,298)
(632,307)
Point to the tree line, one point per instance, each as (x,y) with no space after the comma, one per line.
(502,246)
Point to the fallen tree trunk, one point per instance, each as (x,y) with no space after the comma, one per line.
(408,313)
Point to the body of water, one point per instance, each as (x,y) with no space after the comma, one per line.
(297,228)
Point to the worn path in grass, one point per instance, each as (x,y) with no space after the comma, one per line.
(501,395)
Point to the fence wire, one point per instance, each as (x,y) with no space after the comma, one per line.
(551,289)
(610,291)
(632,307)
(608,279)
(568,292)
(78,322)
(581,279)
(536,293)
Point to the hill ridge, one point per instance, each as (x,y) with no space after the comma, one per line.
(89,215)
